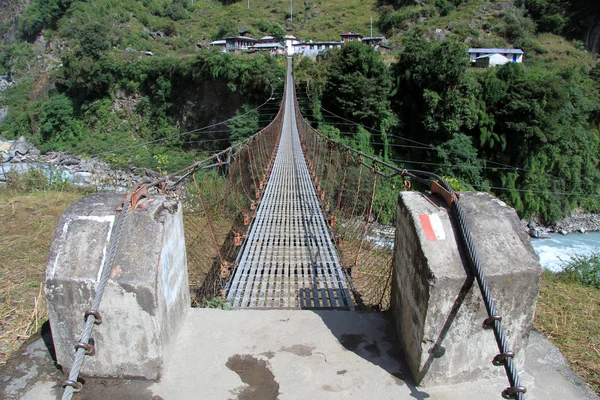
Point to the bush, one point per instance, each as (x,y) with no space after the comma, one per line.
(57,121)
(553,24)
(42,14)
(37,180)
(93,39)
(584,270)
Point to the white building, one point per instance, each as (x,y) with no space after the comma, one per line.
(220,44)
(315,48)
(290,42)
(493,57)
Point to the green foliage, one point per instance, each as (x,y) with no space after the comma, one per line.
(357,84)
(386,200)
(434,95)
(219,303)
(42,14)
(14,57)
(83,117)
(163,162)
(402,18)
(177,10)
(245,123)
(272,29)
(35,180)
(92,40)
(461,154)
(58,124)
(584,270)
(552,23)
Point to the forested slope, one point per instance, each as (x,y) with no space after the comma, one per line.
(528,133)
(85,83)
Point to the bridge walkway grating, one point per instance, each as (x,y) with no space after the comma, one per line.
(288,259)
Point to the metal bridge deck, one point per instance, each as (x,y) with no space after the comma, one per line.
(288,259)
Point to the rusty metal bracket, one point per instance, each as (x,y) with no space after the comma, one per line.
(488,323)
(238,237)
(512,392)
(77,386)
(96,315)
(139,192)
(448,197)
(89,348)
(332,221)
(501,358)
(225,270)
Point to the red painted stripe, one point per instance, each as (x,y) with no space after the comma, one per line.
(426,222)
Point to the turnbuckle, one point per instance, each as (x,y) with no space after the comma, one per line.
(511,392)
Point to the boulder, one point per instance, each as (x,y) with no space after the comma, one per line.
(538,233)
(22,146)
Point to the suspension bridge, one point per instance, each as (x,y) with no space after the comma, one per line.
(289,260)
(292,231)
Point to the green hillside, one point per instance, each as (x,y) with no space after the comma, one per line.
(95,77)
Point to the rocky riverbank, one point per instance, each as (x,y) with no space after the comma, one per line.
(578,222)
(21,155)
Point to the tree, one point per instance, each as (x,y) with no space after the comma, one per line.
(357,84)
(434,96)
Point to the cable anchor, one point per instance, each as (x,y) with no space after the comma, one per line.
(89,348)
(488,323)
(77,386)
(96,315)
(512,392)
(500,359)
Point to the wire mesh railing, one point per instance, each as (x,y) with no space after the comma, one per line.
(359,197)
(219,206)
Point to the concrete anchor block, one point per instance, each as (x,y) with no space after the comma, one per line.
(146,298)
(436,304)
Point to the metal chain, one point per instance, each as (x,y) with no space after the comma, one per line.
(71,385)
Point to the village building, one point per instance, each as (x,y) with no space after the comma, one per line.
(484,58)
(350,37)
(220,44)
(291,45)
(239,43)
(374,40)
(315,48)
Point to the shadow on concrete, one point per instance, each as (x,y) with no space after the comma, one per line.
(46,334)
(372,337)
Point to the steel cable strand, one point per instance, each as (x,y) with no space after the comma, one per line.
(516,390)
(107,267)
(499,335)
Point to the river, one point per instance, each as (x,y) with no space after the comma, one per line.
(557,250)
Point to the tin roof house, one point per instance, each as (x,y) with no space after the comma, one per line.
(484,58)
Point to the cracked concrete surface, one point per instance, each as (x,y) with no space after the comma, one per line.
(286,355)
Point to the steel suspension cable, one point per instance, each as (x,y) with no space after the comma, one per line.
(92,317)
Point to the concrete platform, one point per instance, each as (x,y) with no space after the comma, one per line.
(255,354)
